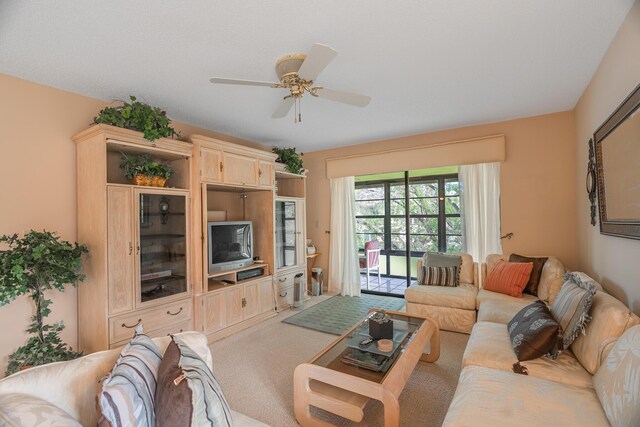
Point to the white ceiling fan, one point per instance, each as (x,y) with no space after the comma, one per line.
(297,73)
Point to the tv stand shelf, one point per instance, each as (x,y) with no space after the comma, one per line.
(230,277)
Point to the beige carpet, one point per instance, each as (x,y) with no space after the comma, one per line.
(255,369)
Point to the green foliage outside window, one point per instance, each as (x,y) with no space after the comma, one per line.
(424,210)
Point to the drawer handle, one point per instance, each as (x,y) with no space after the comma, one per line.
(285,294)
(124,325)
(282,280)
(174,314)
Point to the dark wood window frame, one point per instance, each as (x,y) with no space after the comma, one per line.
(387,251)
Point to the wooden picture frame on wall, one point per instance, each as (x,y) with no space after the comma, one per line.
(617,143)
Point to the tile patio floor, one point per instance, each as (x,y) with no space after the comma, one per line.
(387,284)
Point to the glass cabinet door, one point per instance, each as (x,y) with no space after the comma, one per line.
(162,245)
(286,234)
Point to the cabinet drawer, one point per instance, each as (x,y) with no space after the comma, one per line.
(152,319)
(288,279)
(162,332)
(284,298)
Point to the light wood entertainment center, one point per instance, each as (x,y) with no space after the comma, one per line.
(148,245)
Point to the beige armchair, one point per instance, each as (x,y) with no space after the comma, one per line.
(453,308)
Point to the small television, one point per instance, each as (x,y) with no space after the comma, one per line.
(230,245)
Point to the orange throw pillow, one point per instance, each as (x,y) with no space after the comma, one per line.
(509,278)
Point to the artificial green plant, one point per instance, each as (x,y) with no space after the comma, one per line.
(290,158)
(151,121)
(33,264)
(144,164)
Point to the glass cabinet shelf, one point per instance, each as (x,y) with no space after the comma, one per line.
(162,245)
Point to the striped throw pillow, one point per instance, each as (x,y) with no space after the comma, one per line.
(127,395)
(188,393)
(571,307)
(509,278)
(440,276)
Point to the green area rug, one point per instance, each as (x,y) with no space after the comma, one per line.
(337,314)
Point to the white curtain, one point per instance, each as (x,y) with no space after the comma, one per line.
(481,209)
(344,270)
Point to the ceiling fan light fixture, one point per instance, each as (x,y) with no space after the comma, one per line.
(296,73)
(289,64)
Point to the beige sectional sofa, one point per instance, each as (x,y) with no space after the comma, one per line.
(557,392)
(72,386)
(458,308)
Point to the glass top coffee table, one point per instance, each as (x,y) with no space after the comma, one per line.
(343,377)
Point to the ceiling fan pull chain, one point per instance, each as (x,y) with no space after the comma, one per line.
(297,116)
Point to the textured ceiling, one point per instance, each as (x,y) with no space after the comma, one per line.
(427,64)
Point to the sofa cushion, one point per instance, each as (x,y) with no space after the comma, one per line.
(466,272)
(127,394)
(439,259)
(617,382)
(488,397)
(533,332)
(571,308)
(609,319)
(489,346)
(509,278)
(579,276)
(22,410)
(188,393)
(173,396)
(550,279)
(511,304)
(447,318)
(536,272)
(463,296)
(500,310)
(440,276)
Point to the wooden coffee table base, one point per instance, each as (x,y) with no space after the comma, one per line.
(347,395)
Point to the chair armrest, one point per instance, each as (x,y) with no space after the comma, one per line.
(476,280)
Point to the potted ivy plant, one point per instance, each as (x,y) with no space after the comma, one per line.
(33,264)
(143,169)
(151,121)
(290,158)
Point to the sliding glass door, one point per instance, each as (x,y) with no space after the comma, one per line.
(409,213)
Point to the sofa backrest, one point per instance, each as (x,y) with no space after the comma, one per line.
(468,269)
(610,318)
(550,280)
(72,385)
(616,382)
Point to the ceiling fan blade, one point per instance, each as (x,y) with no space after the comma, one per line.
(344,97)
(283,109)
(317,59)
(240,82)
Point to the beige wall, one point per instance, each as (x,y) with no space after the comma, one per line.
(611,260)
(38,183)
(537,183)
